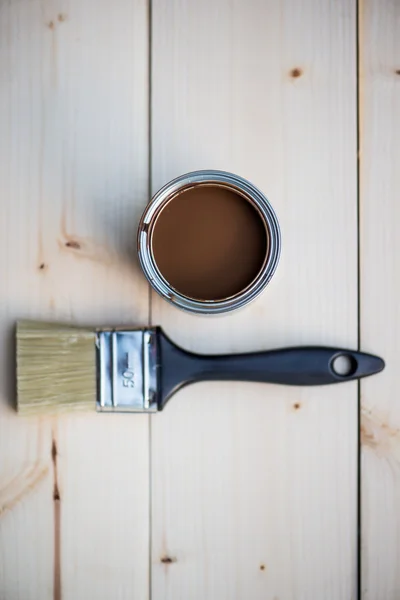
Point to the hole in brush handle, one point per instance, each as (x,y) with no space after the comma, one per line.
(344,365)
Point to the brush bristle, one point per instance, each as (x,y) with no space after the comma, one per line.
(56,368)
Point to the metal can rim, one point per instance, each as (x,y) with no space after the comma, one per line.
(154,276)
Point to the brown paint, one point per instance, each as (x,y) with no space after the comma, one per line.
(209,243)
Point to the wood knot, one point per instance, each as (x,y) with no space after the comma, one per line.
(262,567)
(54,451)
(296,406)
(296,72)
(51,25)
(73,244)
(167,560)
(56,493)
(62,17)
(42,266)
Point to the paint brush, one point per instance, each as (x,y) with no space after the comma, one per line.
(61,368)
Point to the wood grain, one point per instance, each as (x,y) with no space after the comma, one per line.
(74,180)
(380,281)
(254,487)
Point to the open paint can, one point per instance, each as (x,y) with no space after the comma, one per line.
(209,242)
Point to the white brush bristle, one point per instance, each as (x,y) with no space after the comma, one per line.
(56,368)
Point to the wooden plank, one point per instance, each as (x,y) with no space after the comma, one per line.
(74,173)
(254,487)
(26,473)
(380,281)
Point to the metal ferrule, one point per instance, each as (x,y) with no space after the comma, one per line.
(127,364)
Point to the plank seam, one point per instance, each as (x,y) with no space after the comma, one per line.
(150,309)
(358,183)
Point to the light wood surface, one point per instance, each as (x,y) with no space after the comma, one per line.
(380,281)
(235,491)
(74,492)
(254,488)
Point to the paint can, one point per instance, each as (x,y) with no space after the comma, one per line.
(209,242)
